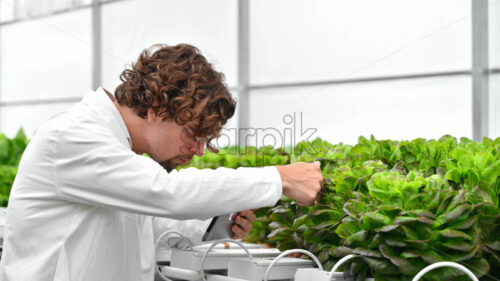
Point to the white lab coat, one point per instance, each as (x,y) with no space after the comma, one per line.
(80,208)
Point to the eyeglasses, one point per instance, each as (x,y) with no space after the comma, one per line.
(190,135)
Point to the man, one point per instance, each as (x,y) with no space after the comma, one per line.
(81,205)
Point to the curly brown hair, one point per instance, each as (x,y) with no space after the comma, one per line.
(174,81)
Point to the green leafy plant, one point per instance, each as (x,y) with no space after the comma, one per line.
(11,151)
(399,205)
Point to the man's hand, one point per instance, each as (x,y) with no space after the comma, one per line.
(302,182)
(242,224)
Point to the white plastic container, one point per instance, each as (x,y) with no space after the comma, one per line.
(255,270)
(321,275)
(216,259)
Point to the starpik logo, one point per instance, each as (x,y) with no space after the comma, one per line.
(286,136)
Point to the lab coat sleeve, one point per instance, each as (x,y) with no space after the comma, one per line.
(94,167)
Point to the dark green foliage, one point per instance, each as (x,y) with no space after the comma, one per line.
(399,205)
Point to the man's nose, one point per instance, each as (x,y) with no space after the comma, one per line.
(197,148)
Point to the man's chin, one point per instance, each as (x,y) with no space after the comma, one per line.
(169,165)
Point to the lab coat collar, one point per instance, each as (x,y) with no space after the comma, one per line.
(101,102)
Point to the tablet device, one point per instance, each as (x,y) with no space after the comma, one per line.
(219,228)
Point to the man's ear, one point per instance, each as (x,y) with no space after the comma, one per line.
(152,116)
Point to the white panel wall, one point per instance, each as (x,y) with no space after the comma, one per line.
(131,26)
(28,117)
(43,59)
(291,41)
(19,9)
(6,10)
(304,40)
(427,108)
(46,58)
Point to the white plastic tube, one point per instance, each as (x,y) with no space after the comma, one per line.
(157,269)
(203,259)
(340,263)
(445,264)
(286,253)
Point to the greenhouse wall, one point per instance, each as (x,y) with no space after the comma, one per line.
(337,63)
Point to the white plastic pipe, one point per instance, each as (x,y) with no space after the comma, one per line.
(445,264)
(286,253)
(157,269)
(180,273)
(203,259)
(339,263)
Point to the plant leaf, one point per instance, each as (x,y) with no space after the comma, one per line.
(366,252)
(382,266)
(406,266)
(450,215)
(453,233)
(346,229)
(357,238)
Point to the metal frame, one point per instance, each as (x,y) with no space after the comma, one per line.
(480,71)
(243,67)
(363,79)
(40,101)
(96,44)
